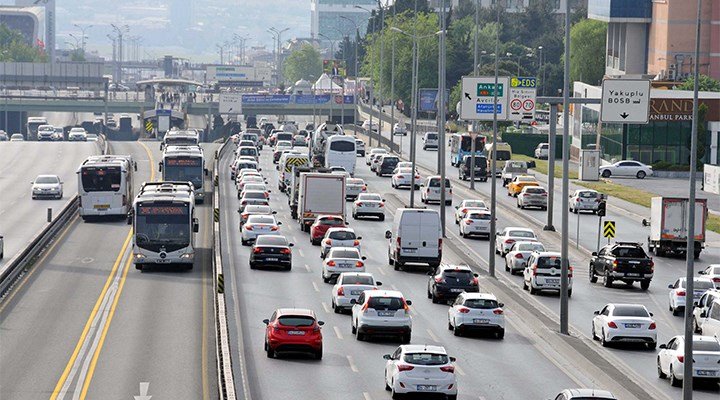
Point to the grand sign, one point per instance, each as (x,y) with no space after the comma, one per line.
(671,110)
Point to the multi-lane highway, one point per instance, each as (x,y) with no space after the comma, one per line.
(83,323)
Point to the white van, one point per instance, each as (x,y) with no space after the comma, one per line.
(711,325)
(285,167)
(341,152)
(416,237)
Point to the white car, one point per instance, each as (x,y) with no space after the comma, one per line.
(402,164)
(430,190)
(254,210)
(255,197)
(542,272)
(476,223)
(706,359)
(353,188)
(258,225)
(533,196)
(624,323)
(366,125)
(381,312)
(341,259)
(430,140)
(47,186)
(508,236)
(677,294)
(516,258)
(17,137)
(701,311)
(477,311)
(626,168)
(400,128)
(585,200)
(246,180)
(712,272)
(402,177)
(255,187)
(369,205)
(375,161)
(420,369)
(349,287)
(542,150)
(372,152)
(339,237)
(468,205)
(77,134)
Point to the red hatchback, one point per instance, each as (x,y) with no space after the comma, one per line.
(293,330)
(322,224)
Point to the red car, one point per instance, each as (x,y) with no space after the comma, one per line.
(322,224)
(293,330)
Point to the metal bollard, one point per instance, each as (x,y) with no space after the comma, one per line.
(49,214)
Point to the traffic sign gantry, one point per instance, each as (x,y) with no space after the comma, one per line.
(478,98)
(521,97)
(625,101)
(609,229)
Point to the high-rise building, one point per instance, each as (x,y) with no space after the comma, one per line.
(29,21)
(325,17)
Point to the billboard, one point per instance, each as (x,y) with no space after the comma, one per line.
(335,67)
(230,73)
(429,99)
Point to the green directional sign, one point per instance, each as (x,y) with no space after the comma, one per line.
(488,89)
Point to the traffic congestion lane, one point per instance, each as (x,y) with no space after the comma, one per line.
(56,298)
(429,320)
(582,307)
(162,331)
(21,217)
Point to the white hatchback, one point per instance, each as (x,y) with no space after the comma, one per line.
(477,311)
(467,205)
(706,359)
(420,369)
(381,312)
(519,253)
(624,323)
(341,259)
(349,286)
(372,152)
(678,293)
(476,223)
(339,237)
(430,190)
(508,236)
(543,272)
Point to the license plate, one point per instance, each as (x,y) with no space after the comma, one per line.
(632,326)
(481,321)
(410,250)
(386,313)
(705,372)
(633,274)
(456,290)
(634,262)
(162,261)
(426,388)
(271,259)
(101,206)
(296,333)
(552,281)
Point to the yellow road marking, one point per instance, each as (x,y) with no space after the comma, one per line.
(152,161)
(91,370)
(85,331)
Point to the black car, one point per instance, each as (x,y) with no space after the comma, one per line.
(271,251)
(387,165)
(448,281)
(480,168)
(622,261)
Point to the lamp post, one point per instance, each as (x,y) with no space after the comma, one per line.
(372,68)
(277,33)
(441,116)
(475,39)
(357,66)
(540,67)
(82,32)
(332,44)
(120,31)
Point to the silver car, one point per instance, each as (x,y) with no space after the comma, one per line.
(354,187)
(516,258)
(585,200)
(47,186)
(533,196)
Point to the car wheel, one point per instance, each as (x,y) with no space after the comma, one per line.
(696,328)
(434,298)
(641,175)
(651,345)
(607,279)
(405,339)
(500,334)
(676,311)
(569,292)
(593,277)
(353,330)
(674,381)
(398,265)
(252,265)
(660,372)
(382,218)
(645,284)
(593,335)
(525,286)
(451,397)
(507,267)
(319,354)
(359,336)
(269,352)
(243,242)
(606,173)
(603,342)
(532,289)
(450,327)
(458,331)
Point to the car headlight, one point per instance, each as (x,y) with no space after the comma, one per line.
(139,256)
(187,256)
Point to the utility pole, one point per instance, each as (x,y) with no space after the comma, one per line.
(441,116)
(493,163)
(475,40)
(564,283)
(392,91)
(380,77)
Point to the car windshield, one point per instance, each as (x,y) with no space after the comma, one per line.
(479,216)
(268,240)
(525,179)
(342,235)
(701,284)
(524,234)
(357,280)
(588,195)
(370,197)
(426,359)
(296,320)
(714,271)
(462,276)
(385,303)
(483,304)
(260,219)
(100,179)
(548,262)
(535,190)
(337,253)
(432,136)
(530,247)
(255,186)
(706,345)
(46,179)
(503,155)
(404,170)
(629,252)
(630,311)
(354,182)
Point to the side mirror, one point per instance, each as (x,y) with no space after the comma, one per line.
(363,258)
(129,218)
(670,286)
(386,356)
(291,244)
(596,312)
(645,222)
(321,323)
(359,238)
(453,359)
(269,191)
(353,301)
(663,346)
(239,211)
(501,305)
(266,321)
(408,302)
(61,182)
(160,165)
(703,314)
(378,283)
(196,225)
(476,275)
(279,223)
(430,273)
(259,169)
(594,253)
(701,272)
(651,314)
(384,200)
(274,212)
(388,234)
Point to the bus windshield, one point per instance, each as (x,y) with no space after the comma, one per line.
(101,179)
(180,141)
(184,169)
(158,224)
(466,143)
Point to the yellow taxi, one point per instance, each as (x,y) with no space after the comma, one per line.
(519,182)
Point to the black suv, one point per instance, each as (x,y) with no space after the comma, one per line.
(622,261)
(448,281)
(480,168)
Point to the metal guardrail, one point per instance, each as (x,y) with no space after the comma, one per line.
(226,381)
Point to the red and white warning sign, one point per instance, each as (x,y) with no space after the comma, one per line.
(521,97)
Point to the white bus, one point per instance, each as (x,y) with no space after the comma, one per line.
(164,223)
(185,164)
(340,152)
(105,185)
(180,138)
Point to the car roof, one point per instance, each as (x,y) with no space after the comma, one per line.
(295,311)
(598,393)
(357,274)
(337,229)
(517,228)
(548,253)
(423,348)
(455,267)
(384,293)
(354,249)
(625,305)
(483,296)
(329,216)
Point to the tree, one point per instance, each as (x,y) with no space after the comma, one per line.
(587,51)
(14,48)
(706,84)
(303,63)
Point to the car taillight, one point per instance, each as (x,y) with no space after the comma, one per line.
(382,205)
(403,367)
(498,311)
(398,242)
(341,291)
(680,358)
(544,194)
(464,210)
(475,282)
(463,310)
(439,279)
(285,251)
(652,326)
(257,250)
(519,255)
(570,272)
(468,222)
(364,308)
(244,215)
(534,270)
(405,306)
(680,292)
(356,243)
(612,324)
(274,228)
(400,177)
(243,202)
(509,241)
(359,264)
(331,263)
(652,265)
(439,244)
(328,241)
(359,203)
(248,227)
(716,280)
(364,188)
(615,264)
(448,368)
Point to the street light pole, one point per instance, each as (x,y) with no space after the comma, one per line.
(380,77)
(441,117)
(540,65)
(357,68)
(392,91)
(564,284)
(493,163)
(475,39)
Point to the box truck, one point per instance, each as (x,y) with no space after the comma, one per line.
(669,225)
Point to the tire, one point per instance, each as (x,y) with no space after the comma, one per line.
(593,335)
(387,387)
(674,381)
(398,265)
(645,284)
(434,298)
(640,175)
(244,242)
(457,331)
(405,339)
(676,311)
(448,202)
(651,345)
(252,266)
(569,292)
(451,397)
(603,342)
(607,280)
(525,286)
(382,218)
(318,354)
(661,374)
(353,330)
(500,334)
(696,328)
(532,289)
(450,327)
(593,277)
(606,174)
(269,352)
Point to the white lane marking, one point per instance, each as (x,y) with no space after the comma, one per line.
(382,271)
(394,287)
(432,335)
(300,252)
(337,332)
(325,307)
(353,367)
(315,286)
(307,267)
(366,396)
(459,370)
